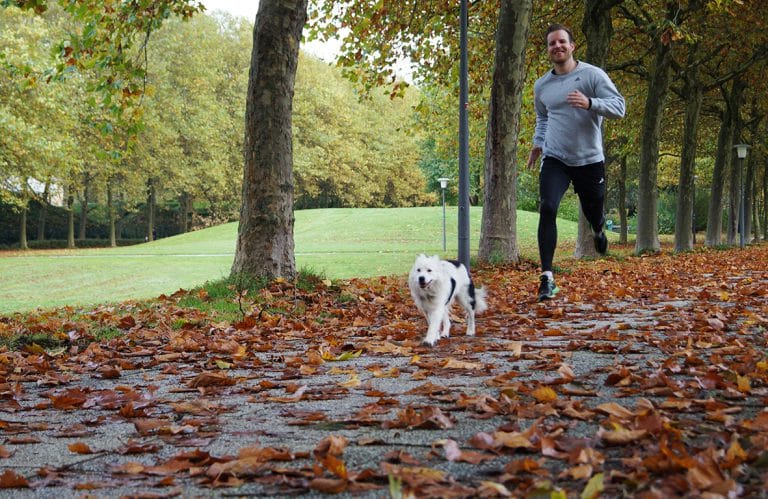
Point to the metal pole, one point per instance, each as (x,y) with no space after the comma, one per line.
(463,142)
(443,220)
(742,219)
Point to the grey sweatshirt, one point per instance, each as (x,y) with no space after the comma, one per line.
(569,134)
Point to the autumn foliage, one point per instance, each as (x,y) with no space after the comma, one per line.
(646,377)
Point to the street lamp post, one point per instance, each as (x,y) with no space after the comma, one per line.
(741,153)
(443,184)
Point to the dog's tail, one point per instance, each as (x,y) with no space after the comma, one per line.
(480,303)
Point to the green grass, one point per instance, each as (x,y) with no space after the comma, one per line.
(333,243)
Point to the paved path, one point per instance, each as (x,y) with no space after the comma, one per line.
(656,384)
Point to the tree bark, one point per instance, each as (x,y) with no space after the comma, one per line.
(686,188)
(498,233)
(111,215)
(84,206)
(265,245)
(70,219)
(647,203)
(597,27)
(151,200)
(41,215)
(23,243)
(722,160)
(623,200)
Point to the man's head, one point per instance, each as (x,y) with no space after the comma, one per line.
(560,44)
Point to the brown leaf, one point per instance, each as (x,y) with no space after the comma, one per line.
(10,480)
(79,448)
(329,485)
(216,378)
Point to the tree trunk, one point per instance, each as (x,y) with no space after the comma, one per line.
(265,245)
(765,203)
(111,215)
(23,244)
(647,198)
(722,160)
(41,215)
(598,31)
(686,187)
(498,233)
(84,206)
(70,219)
(624,231)
(185,208)
(151,200)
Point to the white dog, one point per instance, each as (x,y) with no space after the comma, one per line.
(434,285)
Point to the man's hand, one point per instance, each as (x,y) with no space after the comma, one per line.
(578,100)
(535,153)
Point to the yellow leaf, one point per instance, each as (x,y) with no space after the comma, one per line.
(352,382)
(744,384)
(326,355)
(223,364)
(544,394)
(594,487)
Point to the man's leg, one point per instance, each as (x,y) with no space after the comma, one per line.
(589,184)
(553,182)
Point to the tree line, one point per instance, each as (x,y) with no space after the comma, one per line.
(691,71)
(177,164)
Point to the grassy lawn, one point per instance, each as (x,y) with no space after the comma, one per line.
(336,243)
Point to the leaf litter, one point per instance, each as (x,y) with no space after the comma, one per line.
(646,377)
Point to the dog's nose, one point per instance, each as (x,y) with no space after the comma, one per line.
(421,279)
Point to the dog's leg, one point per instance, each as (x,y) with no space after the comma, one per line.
(467,306)
(433,331)
(446,323)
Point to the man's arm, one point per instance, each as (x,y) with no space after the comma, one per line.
(607,101)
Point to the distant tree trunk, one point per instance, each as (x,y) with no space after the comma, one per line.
(111,215)
(70,219)
(749,176)
(151,199)
(498,233)
(623,199)
(23,244)
(694,93)
(265,245)
(737,177)
(647,238)
(84,206)
(765,203)
(597,27)
(41,215)
(722,161)
(185,208)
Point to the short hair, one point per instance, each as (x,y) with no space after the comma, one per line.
(557,27)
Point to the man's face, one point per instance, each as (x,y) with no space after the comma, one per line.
(559,48)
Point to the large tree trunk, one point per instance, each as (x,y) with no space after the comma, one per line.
(598,31)
(265,244)
(686,188)
(498,234)
(722,161)
(736,183)
(647,203)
